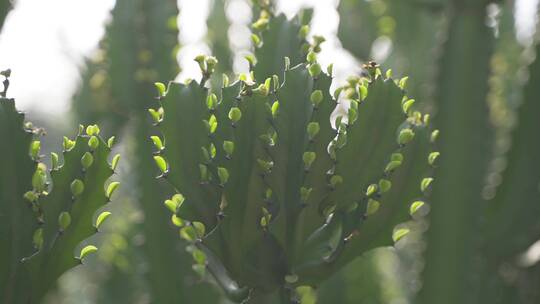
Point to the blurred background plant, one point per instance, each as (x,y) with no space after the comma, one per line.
(469,63)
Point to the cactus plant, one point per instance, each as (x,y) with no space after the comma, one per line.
(269,193)
(44,224)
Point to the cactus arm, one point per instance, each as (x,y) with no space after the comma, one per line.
(185,134)
(17,221)
(244,192)
(317,179)
(463,119)
(520,181)
(370,141)
(287,176)
(56,255)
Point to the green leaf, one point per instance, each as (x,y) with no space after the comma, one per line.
(111,189)
(101,218)
(415,206)
(87,250)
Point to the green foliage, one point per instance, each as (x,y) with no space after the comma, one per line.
(270,201)
(43,224)
(140,49)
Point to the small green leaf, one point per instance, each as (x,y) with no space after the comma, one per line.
(188,233)
(266,217)
(304,31)
(64,220)
(171,205)
(161,163)
(311,57)
(31,196)
(372,206)
(200,229)
(211,63)
(199,257)
(101,218)
(93,142)
(87,160)
(77,187)
(223,175)
(396,157)
(432,158)
(54,161)
(212,101)
(178,222)
(405,136)
(37,238)
(384,185)
(403,82)
(225,81)
(110,142)
(316,97)
(87,250)
(407,105)
(68,144)
(308,158)
(313,129)
(275,108)
(157,142)
(363,90)
(399,233)
(111,189)
(228,147)
(371,190)
(415,206)
(235,114)
(35,147)
(161,88)
(392,166)
(426,182)
(115,161)
(39,179)
(156,117)
(314,70)
(92,130)
(434,135)
(204,172)
(260,24)
(275,80)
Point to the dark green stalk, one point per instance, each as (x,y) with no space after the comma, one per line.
(465,145)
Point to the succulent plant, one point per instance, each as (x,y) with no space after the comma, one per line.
(272,190)
(44,221)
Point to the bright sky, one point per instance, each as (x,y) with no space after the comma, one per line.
(44,42)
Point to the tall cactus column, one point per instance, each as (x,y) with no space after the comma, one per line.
(465,147)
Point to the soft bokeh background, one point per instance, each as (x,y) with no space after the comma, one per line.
(44,43)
